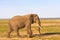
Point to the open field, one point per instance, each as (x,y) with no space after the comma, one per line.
(50,30)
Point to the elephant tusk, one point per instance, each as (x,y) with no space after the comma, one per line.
(39,29)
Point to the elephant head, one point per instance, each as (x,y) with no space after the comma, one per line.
(36,19)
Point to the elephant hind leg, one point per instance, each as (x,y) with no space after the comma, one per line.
(9,32)
(17,32)
(16,29)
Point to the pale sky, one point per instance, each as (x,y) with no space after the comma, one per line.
(44,8)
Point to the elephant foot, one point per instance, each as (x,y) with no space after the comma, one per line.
(18,36)
(30,36)
(8,37)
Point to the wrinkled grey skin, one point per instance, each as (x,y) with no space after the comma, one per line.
(19,22)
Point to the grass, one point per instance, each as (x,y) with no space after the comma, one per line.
(3,21)
(49,32)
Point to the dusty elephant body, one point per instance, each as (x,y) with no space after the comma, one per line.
(19,22)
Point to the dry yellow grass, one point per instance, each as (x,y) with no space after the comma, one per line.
(50,30)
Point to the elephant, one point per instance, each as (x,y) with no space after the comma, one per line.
(19,22)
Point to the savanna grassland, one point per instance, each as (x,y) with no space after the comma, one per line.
(50,30)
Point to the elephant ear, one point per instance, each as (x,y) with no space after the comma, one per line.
(32,18)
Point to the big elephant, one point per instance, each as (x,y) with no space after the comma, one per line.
(19,22)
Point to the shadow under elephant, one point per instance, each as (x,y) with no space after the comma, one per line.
(45,34)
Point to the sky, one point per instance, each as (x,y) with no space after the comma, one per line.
(43,8)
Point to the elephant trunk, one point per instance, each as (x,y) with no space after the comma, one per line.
(39,25)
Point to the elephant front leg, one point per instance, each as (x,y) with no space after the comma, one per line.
(29,31)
